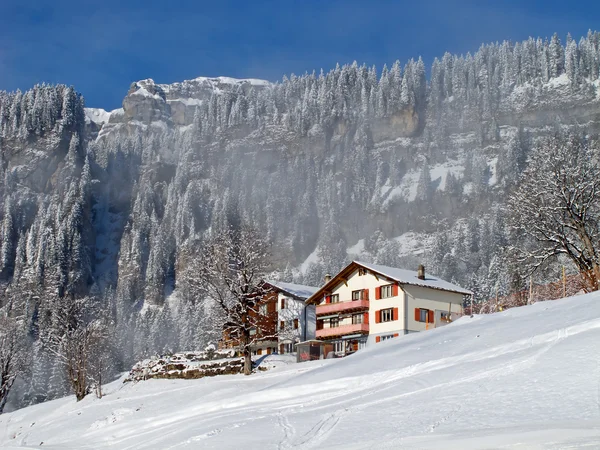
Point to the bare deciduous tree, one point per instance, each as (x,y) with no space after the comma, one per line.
(555,211)
(12,358)
(232,270)
(76,339)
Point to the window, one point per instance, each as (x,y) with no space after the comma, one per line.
(263,310)
(335,298)
(387,315)
(281,325)
(252,331)
(333,323)
(288,348)
(290,324)
(295,324)
(357,318)
(358,295)
(362,271)
(387,291)
(423,315)
(387,336)
(338,346)
(282,303)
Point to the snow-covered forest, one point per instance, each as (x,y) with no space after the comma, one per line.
(106,211)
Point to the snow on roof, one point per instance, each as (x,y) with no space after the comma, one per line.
(296,290)
(404,276)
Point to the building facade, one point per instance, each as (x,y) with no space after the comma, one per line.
(296,320)
(283,319)
(264,334)
(366,303)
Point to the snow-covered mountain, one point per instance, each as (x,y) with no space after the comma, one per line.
(381,165)
(524,378)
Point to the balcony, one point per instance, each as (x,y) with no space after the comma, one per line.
(340,307)
(355,328)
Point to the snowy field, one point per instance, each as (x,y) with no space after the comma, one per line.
(525,378)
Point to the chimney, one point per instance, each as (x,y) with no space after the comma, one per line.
(327,278)
(421,272)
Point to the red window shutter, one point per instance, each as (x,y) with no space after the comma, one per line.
(417,314)
(378,339)
(283,303)
(366,318)
(281,349)
(377,316)
(431,319)
(395,334)
(295,324)
(281,325)
(395,314)
(365,294)
(395,290)
(328,299)
(377,293)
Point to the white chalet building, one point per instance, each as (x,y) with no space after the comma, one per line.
(296,320)
(368,303)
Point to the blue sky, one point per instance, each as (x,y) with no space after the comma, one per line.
(101,46)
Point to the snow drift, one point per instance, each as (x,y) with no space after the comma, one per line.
(529,376)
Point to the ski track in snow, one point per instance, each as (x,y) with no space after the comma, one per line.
(288,431)
(320,431)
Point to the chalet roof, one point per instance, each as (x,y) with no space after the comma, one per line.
(298,291)
(401,276)
(404,276)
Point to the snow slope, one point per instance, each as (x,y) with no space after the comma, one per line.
(525,378)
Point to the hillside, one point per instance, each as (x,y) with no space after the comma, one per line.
(384,165)
(527,378)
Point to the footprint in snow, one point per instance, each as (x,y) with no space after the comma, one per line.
(205,435)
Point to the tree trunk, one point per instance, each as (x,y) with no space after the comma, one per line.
(592,278)
(99,387)
(78,382)
(3,398)
(247,361)
(5,385)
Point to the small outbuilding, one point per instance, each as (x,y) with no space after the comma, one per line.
(312,350)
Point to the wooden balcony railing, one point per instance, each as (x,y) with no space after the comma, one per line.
(332,308)
(343,330)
